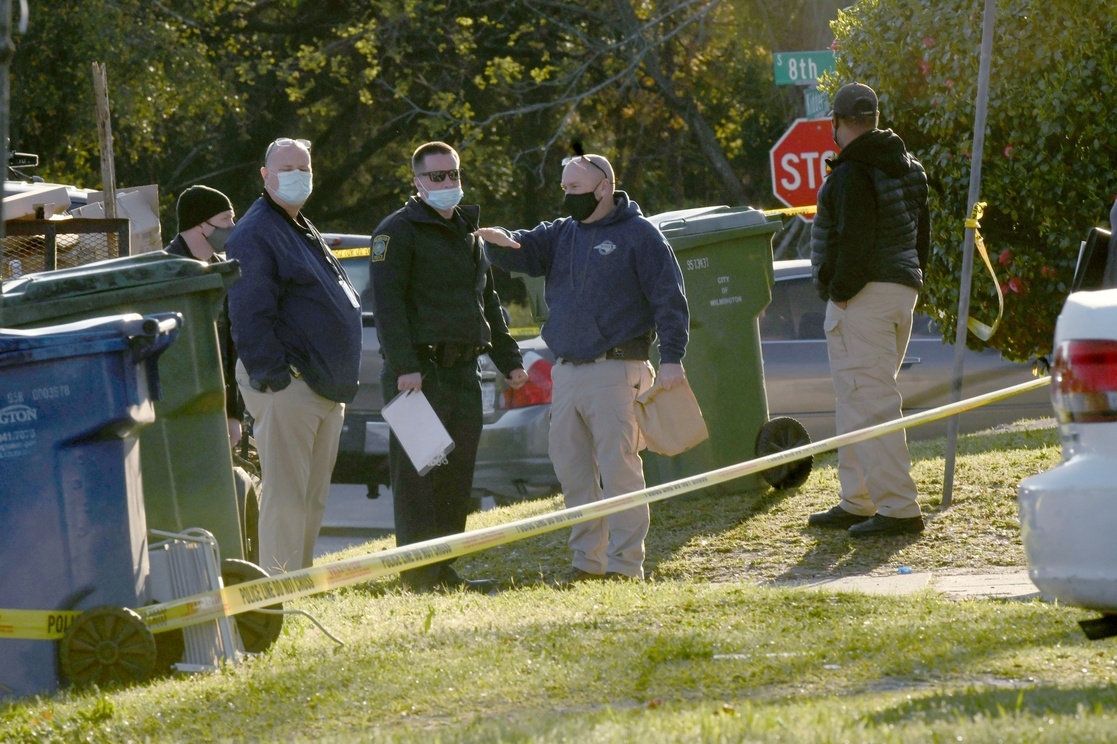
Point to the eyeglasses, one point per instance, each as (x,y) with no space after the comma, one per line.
(440,176)
(572,158)
(285,142)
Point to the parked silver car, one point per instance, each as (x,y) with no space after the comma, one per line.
(512,460)
(797,371)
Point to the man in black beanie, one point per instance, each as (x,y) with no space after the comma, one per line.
(205,219)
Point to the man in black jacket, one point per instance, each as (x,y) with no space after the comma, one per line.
(205,219)
(436,311)
(869,244)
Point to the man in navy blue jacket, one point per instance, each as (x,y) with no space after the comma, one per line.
(612,285)
(296,323)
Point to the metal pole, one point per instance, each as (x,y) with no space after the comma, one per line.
(968,246)
(7,51)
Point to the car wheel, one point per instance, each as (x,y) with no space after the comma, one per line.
(778,435)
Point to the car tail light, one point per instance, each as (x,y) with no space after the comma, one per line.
(537,389)
(1084,381)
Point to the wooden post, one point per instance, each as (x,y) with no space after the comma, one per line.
(104,136)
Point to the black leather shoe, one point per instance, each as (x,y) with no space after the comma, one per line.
(618,576)
(881,525)
(836,518)
(450,580)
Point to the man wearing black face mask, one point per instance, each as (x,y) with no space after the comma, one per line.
(612,285)
(205,219)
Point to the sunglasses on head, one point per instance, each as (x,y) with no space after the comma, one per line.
(583,158)
(440,176)
(286,142)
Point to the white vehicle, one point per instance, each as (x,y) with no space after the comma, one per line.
(1067,513)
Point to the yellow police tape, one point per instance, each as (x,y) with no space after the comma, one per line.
(791,210)
(975,326)
(253,595)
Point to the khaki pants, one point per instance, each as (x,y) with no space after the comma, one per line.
(595,448)
(297,433)
(866,342)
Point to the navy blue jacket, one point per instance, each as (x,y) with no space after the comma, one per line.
(606,282)
(293,304)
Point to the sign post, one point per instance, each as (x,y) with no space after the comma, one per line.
(798,162)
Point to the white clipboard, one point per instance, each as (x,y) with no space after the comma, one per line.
(418,429)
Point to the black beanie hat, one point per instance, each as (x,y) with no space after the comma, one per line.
(198,203)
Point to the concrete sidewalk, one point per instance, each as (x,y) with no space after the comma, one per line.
(1009,584)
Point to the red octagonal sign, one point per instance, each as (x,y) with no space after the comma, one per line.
(799,162)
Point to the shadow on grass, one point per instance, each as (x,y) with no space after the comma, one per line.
(835,554)
(677,521)
(998,703)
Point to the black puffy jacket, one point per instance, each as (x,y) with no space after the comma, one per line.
(873,223)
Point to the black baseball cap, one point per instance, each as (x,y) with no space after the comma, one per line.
(854,99)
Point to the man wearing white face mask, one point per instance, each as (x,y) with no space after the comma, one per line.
(436,312)
(296,322)
(205,219)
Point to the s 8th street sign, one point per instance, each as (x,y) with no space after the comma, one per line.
(802,68)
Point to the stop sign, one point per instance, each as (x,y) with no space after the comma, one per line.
(799,162)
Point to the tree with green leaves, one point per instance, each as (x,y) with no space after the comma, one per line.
(1048,172)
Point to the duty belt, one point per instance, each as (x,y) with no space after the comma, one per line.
(635,349)
(447,354)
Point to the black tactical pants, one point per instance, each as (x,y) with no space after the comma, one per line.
(438,503)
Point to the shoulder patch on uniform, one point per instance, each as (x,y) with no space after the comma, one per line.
(380,247)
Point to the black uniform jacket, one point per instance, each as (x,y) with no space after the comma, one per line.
(432,283)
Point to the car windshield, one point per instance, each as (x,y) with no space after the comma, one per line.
(357,270)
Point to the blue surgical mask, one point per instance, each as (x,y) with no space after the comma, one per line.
(294,186)
(444,199)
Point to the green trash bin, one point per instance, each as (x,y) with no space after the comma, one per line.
(185,457)
(726,258)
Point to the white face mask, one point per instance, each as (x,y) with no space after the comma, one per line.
(444,199)
(294,186)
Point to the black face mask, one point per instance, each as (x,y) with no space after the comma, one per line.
(580,206)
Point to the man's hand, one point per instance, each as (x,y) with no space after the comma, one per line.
(517,379)
(412,381)
(671,375)
(495,236)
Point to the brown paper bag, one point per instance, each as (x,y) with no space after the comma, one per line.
(670,420)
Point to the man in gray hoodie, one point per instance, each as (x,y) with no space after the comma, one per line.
(869,244)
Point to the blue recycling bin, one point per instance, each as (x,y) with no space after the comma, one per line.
(72,529)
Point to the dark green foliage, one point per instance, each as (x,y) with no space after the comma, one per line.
(1048,170)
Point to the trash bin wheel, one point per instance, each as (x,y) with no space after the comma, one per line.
(105,645)
(781,434)
(258,630)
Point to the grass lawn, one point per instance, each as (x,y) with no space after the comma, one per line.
(714,647)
